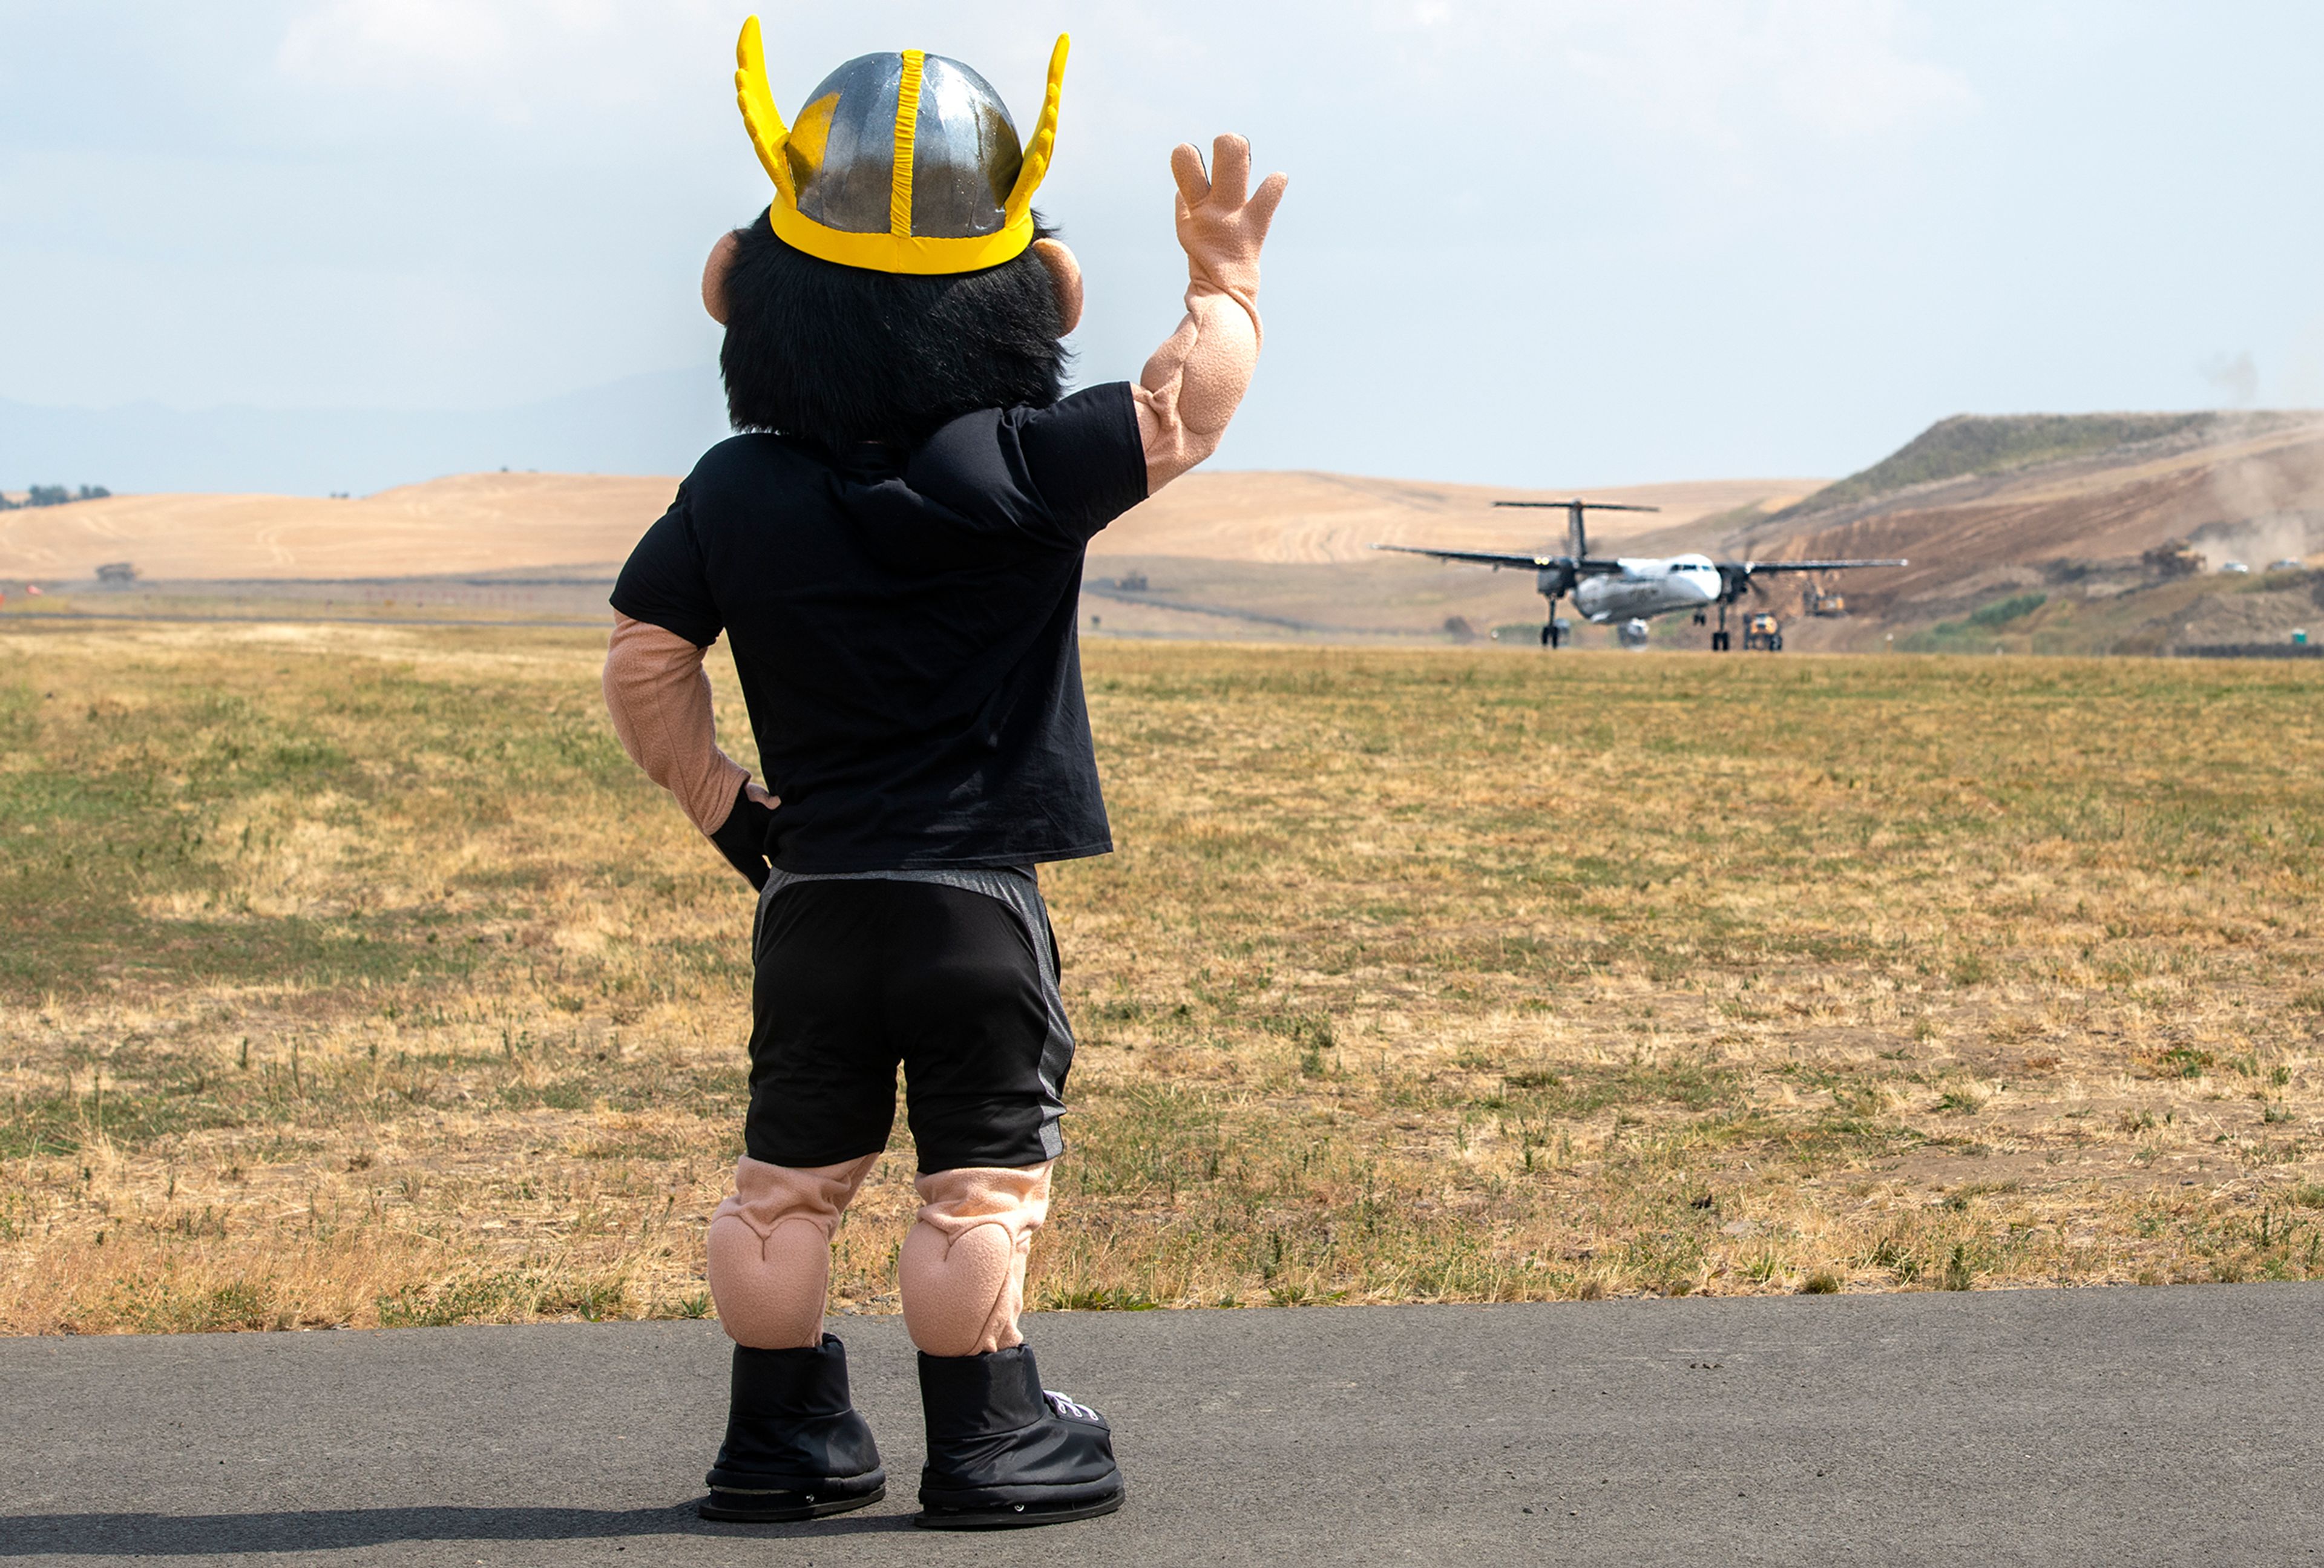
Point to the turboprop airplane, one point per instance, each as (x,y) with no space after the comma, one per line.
(1631,589)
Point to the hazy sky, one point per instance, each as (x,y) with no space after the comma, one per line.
(1593,241)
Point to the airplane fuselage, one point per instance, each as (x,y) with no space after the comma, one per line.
(1644,588)
(1631,590)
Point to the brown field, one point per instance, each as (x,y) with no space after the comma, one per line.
(471,522)
(350,975)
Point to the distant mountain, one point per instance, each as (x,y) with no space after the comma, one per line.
(642,424)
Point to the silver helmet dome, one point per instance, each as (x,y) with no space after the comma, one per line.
(903,162)
(961,143)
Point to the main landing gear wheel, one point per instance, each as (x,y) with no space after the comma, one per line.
(1719,642)
(1549,637)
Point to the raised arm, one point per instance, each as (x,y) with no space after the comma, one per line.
(1191,387)
(659,696)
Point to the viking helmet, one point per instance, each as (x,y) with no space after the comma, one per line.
(902,163)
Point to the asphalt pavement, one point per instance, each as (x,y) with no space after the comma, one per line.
(2181,1426)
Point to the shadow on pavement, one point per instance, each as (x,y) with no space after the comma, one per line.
(328,1529)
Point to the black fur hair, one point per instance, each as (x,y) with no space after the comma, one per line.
(842,354)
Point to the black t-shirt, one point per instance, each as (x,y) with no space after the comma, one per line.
(904,628)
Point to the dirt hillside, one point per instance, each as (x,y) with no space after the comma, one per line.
(2245,487)
(2084,533)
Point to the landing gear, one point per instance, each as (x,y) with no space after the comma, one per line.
(1719,642)
(1549,635)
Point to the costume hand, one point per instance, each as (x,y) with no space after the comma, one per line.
(741,838)
(1221,222)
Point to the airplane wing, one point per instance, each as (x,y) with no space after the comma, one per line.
(1734,576)
(1478,558)
(1587,566)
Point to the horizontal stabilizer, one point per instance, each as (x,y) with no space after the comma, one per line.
(1482,558)
(1585,505)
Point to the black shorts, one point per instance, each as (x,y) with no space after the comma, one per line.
(856,976)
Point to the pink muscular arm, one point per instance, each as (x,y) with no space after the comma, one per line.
(659,696)
(1191,387)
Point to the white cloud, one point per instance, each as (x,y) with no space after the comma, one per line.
(421,35)
(513,59)
(350,43)
(1699,69)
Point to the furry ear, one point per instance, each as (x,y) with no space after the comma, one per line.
(1065,277)
(835,355)
(714,275)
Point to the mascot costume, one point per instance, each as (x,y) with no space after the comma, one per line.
(894,548)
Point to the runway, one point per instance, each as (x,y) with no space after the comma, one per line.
(2123,1426)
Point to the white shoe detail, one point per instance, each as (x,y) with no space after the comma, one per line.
(1066,1406)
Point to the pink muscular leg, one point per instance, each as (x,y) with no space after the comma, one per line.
(770,1249)
(962,1271)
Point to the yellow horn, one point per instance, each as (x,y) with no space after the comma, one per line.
(760,116)
(1044,144)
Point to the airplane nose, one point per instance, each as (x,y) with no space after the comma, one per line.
(1704,585)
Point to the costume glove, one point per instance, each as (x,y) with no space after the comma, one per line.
(741,838)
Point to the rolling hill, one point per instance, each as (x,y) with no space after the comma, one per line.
(503,522)
(2045,532)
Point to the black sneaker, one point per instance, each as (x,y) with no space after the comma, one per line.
(795,1447)
(1004,1453)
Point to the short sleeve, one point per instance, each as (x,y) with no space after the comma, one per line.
(665,583)
(1059,473)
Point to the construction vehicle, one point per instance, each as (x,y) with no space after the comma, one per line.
(1763,632)
(1828,605)
(2172,558)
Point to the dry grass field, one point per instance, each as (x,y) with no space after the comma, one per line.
(349,975)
